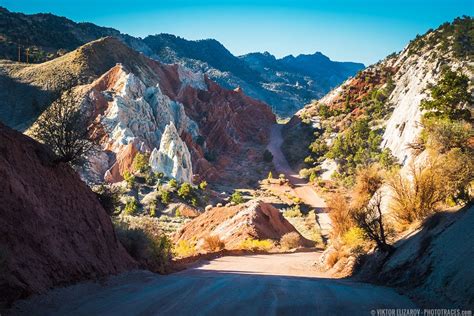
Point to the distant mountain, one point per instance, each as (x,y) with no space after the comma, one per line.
(286,84)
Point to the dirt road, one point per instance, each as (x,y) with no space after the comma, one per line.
(304,191)
(283,284)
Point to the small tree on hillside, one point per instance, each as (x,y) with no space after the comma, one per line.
(65,129)
(370,219)
(366,211)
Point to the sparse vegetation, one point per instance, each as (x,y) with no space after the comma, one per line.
(213,244)
(140,163)
(257,245)
(237,198)
(185,249)
(290,241)
(130,179)
(151,248)
(65,129)
(131,207)
(109,197)
(294,211)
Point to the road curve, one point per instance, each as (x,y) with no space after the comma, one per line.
(281,284)
(302,188)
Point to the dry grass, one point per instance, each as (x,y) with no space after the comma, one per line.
(418,194)
(257,245)
(340,215)
(290,241)
(213,244)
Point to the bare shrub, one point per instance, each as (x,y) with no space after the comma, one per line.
(366,209)
(64,128)
(339,213)
(213,244)
(418,194)
(290,240)
(370,219)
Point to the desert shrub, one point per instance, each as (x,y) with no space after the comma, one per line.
(109,197)
(173,184)
(449,97)
(294,211)
(213,244)
(270,175)
(267,156)
(185,190)
(444,134)
(354,237)
(152,251)
(131,207)
(340,215)
(185,248)
(165,197)
(290,240)
(418,194)
(333,258)
(257,245)
(65,129)
(152,209)
(237,198)
(130,179)
(368,181)
(203,185)
(457,171)
(140,163)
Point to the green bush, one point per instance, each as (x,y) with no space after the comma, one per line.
(130,179)
(131,207)
(109,197)
(267,156)
(165,197)
(237,198)
(140,163)
(203,185)
(295,211)
(185,191)
(449,97)
(173,183)
(151,250)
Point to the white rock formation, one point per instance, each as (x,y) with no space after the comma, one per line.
(173,157)
(140,115)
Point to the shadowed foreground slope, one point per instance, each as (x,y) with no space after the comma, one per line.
(53,231)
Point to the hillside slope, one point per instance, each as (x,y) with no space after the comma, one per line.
(187,123)
(53,231)
(386,97)
(45,36)
(431,263)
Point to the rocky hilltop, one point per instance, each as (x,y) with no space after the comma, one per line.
(187,123)
(285,84)
(53,229)
(386,96)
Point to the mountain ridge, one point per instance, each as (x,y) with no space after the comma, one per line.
(47,36)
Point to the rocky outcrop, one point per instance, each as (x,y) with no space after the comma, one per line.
(173,158)
(207,128)
(234,224)
(53,231)
(130,100)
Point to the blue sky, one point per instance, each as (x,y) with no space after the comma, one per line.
(345,30)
